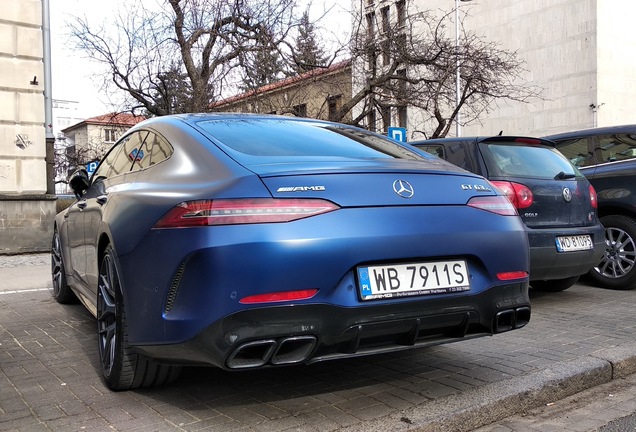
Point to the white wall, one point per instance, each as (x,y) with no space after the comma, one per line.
(22,169)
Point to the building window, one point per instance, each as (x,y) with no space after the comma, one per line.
(386,52)
(371,120)
(400,7)
(110,135)
(386,19)
(333,104)
(400,85)
(386,118)
(300,110)
(371,25)
(402,116)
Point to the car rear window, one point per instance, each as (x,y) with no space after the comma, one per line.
(276,138)
(517,160)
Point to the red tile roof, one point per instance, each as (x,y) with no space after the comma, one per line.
(314,73)
(111,119)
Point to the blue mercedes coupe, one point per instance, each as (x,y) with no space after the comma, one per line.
(246,241)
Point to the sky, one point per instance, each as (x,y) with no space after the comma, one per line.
(74,78)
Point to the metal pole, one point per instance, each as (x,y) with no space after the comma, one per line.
(458,128)
(48,101)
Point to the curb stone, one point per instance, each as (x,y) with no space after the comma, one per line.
(485,405)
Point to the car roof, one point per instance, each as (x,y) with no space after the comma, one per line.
(605,130)
(495,138)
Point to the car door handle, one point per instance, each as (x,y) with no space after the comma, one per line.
(81,204)
(101,200)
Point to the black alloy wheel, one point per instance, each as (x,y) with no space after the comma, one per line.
(617,269)
(62,293)
(122,368)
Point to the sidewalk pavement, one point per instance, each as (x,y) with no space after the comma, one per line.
(49,374)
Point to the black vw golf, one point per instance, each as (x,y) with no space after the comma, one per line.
(555,201)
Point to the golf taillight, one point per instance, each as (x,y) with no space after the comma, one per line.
(519,195)
(593,197)
(242,211)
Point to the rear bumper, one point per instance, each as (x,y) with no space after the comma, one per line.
(291,334)
(546,263)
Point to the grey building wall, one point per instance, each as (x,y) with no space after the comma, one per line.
(581,52)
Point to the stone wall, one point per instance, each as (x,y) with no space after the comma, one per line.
(26,223)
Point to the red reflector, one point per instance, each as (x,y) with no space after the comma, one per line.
(279,296)
(242,211)
(506,276)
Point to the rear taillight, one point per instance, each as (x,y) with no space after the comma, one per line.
(242,211)
(519,195)
(593,197)
(494,204)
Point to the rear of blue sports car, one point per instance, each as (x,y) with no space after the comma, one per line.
(311,241)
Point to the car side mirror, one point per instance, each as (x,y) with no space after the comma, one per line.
(78,181)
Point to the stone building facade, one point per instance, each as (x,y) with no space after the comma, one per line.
(26,209)
(318,94)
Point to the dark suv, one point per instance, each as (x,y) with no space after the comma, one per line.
(607,157)
(555,201)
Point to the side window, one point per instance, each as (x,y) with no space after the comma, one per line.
(436,150)
(131,152)
(161,150)
(106,164)
(577,151)
(616,147)
(458,154)
(153,150)
(120,158)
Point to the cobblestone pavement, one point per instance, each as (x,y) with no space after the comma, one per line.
(49,374)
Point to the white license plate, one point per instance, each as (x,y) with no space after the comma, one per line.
(574,243)
(403,280)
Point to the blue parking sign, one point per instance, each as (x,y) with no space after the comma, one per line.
(91,167)
(397,133)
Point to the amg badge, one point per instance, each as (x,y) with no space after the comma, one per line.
(300,188)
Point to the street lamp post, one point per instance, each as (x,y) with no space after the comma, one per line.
(458,90)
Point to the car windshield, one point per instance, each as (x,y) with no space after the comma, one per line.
(282,138)
(536,161)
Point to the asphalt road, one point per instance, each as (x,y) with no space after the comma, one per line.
(49,374)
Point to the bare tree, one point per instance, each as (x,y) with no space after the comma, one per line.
(411,61)
(205,38)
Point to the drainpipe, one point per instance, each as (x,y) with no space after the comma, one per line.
(48,101)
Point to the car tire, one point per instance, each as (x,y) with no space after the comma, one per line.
(617,269)
(62,293)
(554,285)
(122,367)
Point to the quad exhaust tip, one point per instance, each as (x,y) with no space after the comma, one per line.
(509,319)
(282,351)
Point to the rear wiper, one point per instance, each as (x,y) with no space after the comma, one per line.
(562,175)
